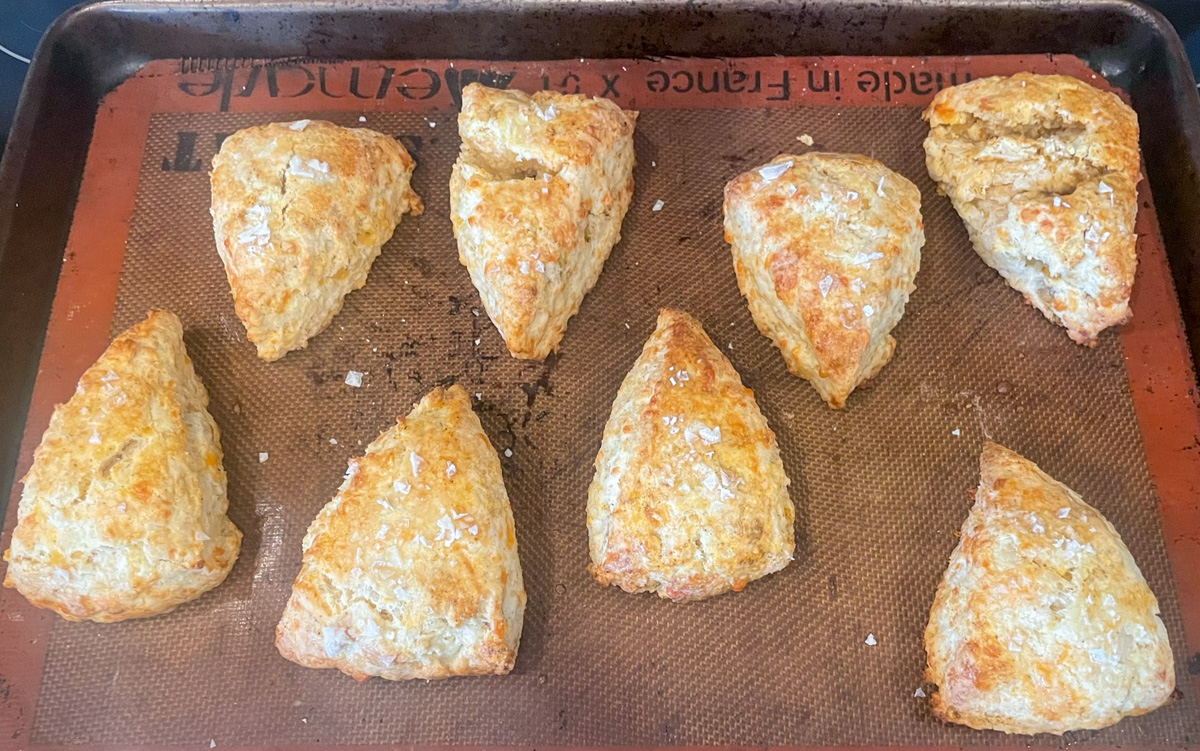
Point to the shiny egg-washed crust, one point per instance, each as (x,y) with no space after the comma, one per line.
(1043,171)
(123,511)
(300,211)
(1043,622)
(690,498)
(411,571)
(536,200)
(826,247)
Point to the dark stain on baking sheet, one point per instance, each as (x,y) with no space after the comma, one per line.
(881,488)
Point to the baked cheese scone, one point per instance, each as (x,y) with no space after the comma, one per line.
(690,498)
(536,200)
(300,211)
(1044,170)
(123,511)
(826,247)
(1043,622)
(411,571)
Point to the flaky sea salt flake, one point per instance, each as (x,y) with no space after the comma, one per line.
(825,285)
(773,171)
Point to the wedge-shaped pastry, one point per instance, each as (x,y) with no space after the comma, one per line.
(1043,622)
(300,211)
(690,497)
(411,571)
(1044,170)
(123,511)
(536,199)
(826,247)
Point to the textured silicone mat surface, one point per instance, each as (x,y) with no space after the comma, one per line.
(880,488)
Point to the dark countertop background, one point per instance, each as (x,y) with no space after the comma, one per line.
(25,20)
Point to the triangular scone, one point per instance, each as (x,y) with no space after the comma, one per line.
(1043,622)
(536,199)
(411,571)
(123,511)
(300,211)
(1043,171)
(826,247)
(690,497)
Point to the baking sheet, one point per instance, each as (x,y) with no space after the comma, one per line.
(880,488)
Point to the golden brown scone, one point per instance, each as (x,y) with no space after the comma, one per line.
(123,511)
(1044,170)
(536,199)
(690,498)
(411,571)
(1043,622)
(300,211)
(826,247)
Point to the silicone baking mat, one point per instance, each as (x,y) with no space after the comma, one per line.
(826,652)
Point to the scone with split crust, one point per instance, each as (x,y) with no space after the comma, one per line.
(1043,171)
(123,511)
(300,211)
(1043,622)
(536,200)
(690,498)
(411,571)
(826,247)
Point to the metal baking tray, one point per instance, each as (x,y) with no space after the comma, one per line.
(93,49)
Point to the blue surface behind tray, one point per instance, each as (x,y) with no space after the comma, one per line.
(24,21)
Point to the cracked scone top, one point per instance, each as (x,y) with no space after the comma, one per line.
(537,197)
(826,248)
(411,571)
(123,511)
(1043,171)
(300,212)
(1042,622)
(689,498)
